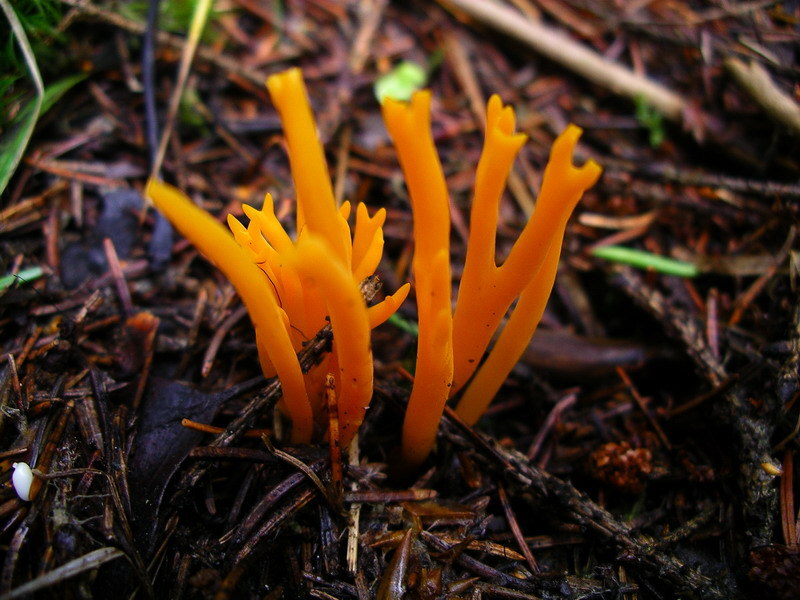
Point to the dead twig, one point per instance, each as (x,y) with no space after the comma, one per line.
(574,56)
(87,562)
(511,517)
(756,83)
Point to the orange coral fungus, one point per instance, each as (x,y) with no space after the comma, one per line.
(410,128)
(291,288)
(486,291)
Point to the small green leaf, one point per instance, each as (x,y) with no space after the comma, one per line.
(12,151)
(190,112)
(652,120)
(646,260)
(401,82)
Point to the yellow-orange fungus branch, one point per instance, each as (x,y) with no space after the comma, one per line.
(511,344)
(350,325)
(486,291)
(474,322)
(380,312)
(551,219)
(315,201)
(367,242)
(409,127)
(272,340)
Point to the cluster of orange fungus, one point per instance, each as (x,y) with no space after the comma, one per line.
(452,344)
(294,287)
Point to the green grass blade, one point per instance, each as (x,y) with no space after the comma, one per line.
(646,260)
(14,143)
(24,276)
(404,324)
(56,90)
(11,151)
